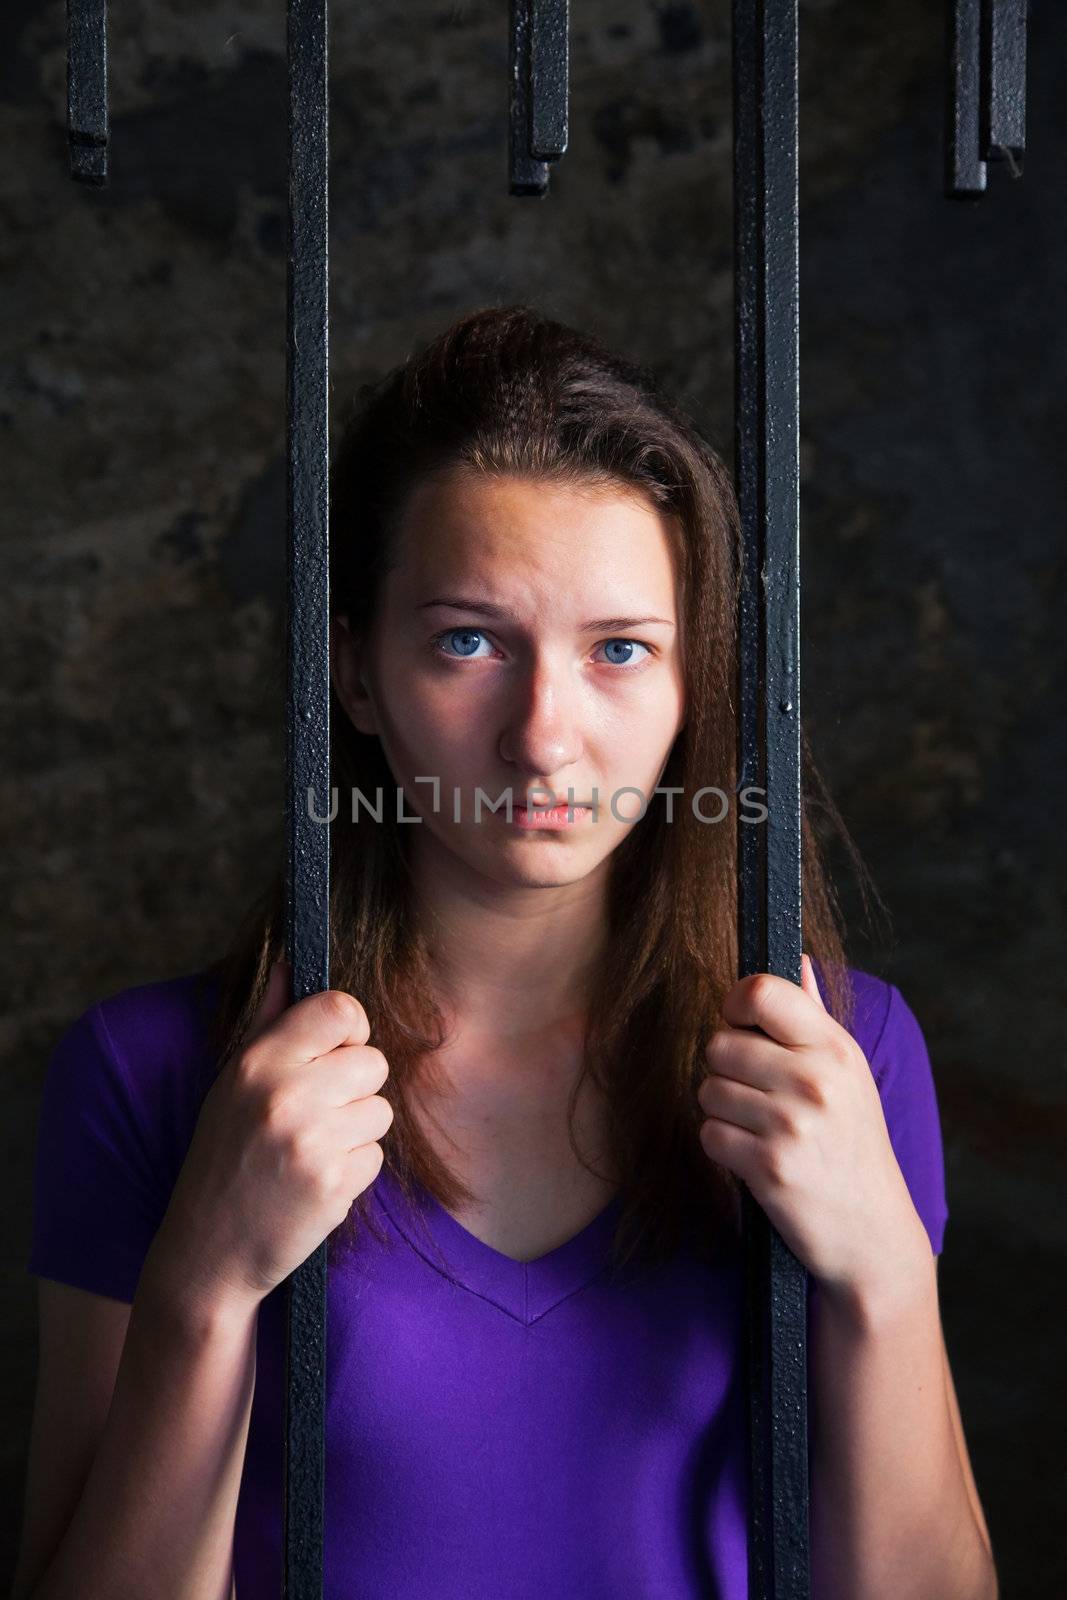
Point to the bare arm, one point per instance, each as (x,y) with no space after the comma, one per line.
(156,1514)
(895,1513)
(80,1336)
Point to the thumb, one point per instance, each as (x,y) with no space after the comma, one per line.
(275,999)
(808,982)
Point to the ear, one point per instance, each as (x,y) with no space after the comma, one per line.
(346,659)
(807,981)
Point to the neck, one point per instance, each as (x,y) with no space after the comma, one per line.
(510,961)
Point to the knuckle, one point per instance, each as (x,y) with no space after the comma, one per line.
(788,1120)
(774,1164)
(383,1112)
(325,1180)
(277,1117)
(844,1052)
(301,1147)
(346,1009)
(811,1089)
(340,1182)
(375,1064)
(761,988)
(368,1161)
(248,1064)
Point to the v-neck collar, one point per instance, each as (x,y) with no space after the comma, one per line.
(525,1290)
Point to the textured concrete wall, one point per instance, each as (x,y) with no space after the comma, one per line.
(142,426)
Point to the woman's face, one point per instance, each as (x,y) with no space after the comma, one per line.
(528,635)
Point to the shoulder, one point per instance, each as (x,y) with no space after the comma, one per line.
(143,1053)
(883,1024)
(118,1108)
(182,1003)
(892,1039)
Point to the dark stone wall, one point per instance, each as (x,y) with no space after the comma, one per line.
(142,424)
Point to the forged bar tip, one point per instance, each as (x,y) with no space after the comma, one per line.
(527,174)
(549,55)
(1003,75)
(986,111)
(965,171)
(87,122)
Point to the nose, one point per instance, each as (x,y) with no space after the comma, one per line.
(542,733)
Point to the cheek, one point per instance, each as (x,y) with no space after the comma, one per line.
(429,729)
(640,745)
(643,728)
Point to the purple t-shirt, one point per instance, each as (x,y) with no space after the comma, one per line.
(496,1429)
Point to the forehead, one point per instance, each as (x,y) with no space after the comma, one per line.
(518,535)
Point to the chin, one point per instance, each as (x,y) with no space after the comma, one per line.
(540,869)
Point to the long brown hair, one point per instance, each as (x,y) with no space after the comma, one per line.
(506,390)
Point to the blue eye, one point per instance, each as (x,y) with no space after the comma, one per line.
(627,644)
(466,635)
(469,638)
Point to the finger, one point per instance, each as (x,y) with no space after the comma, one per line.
(748,1056)
(366,1121)
(777,1006)
(733,1148)
(349,1074)
(318,1023)
(739,1104)
(809,982)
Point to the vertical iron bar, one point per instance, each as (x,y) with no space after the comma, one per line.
(307,732)
(750,930)
(549,68)
(769,858)
(1003,71)
(965,171)
(87,127)
(526,174)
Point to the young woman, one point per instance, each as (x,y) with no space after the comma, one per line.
(524,1109)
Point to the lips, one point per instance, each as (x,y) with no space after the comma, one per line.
(556,803)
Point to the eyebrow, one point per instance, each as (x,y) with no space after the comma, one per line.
(596,624)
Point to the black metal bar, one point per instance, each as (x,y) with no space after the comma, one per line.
(307,732)
(769,858)
(527,175)
(87,126)
(1003,74)
(549,74)
(750,768)
(965,171)
(986,118)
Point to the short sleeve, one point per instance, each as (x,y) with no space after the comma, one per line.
(900,1063)
(97,1198)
